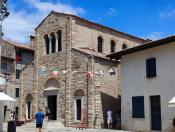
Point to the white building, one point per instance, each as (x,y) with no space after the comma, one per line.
(147,85)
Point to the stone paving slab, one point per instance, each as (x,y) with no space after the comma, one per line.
(68,130)
(32,129)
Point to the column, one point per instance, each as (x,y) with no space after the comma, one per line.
(56,36)
(50,44)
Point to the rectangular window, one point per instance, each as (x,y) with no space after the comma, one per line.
(16,110)
(138,107)
(151,68)
(17,93)
(4,67)
(18,73)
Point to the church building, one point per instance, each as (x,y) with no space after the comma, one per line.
(71,73)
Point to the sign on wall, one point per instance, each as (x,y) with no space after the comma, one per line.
(42,71)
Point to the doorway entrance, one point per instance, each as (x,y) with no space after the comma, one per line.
(155,113)
(78,108)
(52,105)
(28,110)
(29,99)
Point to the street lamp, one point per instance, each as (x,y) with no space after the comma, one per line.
(3,14)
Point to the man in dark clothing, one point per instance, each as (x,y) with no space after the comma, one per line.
(39,120)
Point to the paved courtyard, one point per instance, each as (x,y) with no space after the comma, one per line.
(47,129)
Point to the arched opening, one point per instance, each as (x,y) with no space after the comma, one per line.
(100,44)
(29,99)
(52,83)
(113,46)
(78,104)
(51,97)
(124,46)
(46,39)
(59,34)
(53,42)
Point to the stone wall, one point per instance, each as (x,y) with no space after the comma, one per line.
(8,50)
(61,60)
(85,34)
(26,88)
(103,92)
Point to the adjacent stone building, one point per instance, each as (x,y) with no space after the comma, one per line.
(70,72)
(13,58)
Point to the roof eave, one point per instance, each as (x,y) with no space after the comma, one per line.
(147,45)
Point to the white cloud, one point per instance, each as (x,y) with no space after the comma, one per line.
(111,12)
(20,24)
(154,35)
(170,13)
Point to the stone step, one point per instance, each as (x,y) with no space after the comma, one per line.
(46,124)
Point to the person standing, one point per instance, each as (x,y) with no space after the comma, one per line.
(118,119)
(47,113)
(39,120)
(109,118)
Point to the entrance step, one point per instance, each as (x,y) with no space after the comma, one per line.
(46,124)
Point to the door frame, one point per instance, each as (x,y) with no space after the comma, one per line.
(56,107)
(27,112)
(75,107)
(151,127)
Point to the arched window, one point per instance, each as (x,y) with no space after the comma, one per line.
(46,39)
(78,101)
(124,46)
(100,44)
(53,42)
(113,46)
(59,41)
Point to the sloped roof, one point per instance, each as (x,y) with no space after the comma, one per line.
(91,52)
(144,46)
(19,45)
(93,23)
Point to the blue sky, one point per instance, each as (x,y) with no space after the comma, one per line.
(151,19)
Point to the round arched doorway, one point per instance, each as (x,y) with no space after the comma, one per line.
(51,98)
(29,99)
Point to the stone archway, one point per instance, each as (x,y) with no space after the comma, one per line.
(29,99)
(51,97)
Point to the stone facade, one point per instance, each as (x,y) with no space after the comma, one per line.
(8,70)
(83,73)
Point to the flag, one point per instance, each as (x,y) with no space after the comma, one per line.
(90,74)
(101,73)
(112,71)
(18,58)
(55,72)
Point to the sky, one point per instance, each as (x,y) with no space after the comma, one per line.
(148,19)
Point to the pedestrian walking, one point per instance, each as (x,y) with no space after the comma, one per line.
(109,118)
(39,120)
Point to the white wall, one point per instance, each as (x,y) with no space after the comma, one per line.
(135,83)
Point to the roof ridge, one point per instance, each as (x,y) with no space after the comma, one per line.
(110,28)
